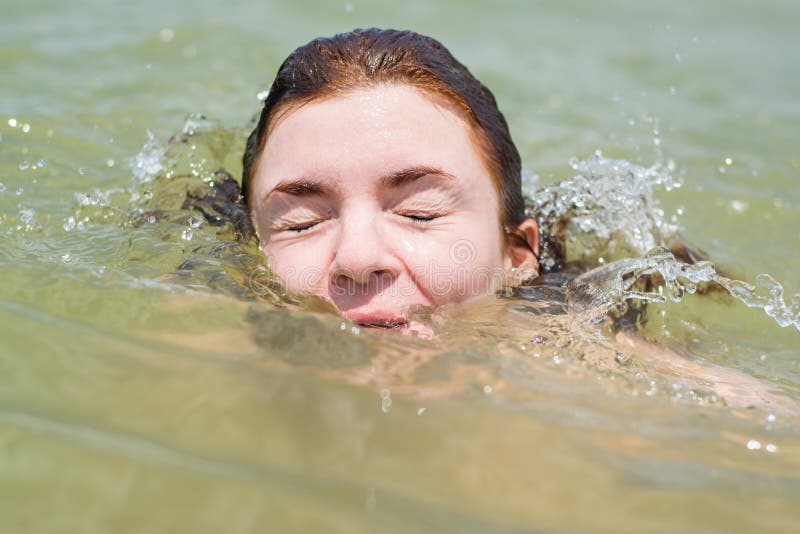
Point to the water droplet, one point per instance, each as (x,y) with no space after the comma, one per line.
(728,161)
(2,187)
(166,34)
(348,7)
(19,192)
(487,389)
(421,411)
(753,445)
(186,235)
(678,57)
(24,166)
(110,162)
(81,171)
(65,258)
(262,95)
(69,224)
(41,163)
(26,128)
(763,357)
(673,91)
(770,417)
(343,326)
(739,206)
(12,122)
(771,447)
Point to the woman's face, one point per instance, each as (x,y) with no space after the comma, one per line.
(378,201)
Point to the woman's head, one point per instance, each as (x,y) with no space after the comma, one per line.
(381,175)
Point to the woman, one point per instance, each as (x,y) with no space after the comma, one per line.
(382,178)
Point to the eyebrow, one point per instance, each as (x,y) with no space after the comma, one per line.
(304,187)
(405,176)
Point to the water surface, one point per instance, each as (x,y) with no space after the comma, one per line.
(132,401)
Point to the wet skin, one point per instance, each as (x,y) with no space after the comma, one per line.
(379,201)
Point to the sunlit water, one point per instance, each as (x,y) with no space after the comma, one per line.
(151,380)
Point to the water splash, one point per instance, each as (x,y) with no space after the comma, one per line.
(604,213)
(593,294)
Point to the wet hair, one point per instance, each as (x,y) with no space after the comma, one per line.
(326,67)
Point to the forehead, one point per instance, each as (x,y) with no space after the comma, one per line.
(369,131)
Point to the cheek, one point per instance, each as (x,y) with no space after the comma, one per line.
(455,265)
(300,266)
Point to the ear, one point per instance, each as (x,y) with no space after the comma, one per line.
(522,251)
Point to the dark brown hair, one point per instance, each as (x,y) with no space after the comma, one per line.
(329,66)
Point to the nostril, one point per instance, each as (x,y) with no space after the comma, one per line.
(363,282)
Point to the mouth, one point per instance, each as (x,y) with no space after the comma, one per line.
(386,325)
(385,321)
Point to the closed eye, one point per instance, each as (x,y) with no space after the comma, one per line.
(301,227)
(420,218)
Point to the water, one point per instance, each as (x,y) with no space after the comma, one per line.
(153,398)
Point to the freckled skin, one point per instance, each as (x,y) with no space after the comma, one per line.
(371,248)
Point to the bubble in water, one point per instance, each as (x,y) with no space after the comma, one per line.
(2,187)
(41,163)
(386,401)
(753,445)
(26,128)
(19,192)
(12,122)
(186,235)
(487,389)
(69,224)
(109,162)
(25,165)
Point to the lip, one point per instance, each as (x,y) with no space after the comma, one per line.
(377,319)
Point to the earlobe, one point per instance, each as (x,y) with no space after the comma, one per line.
(523,246)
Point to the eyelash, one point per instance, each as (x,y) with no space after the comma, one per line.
(418,218)
(303,227)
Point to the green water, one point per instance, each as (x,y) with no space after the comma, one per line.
(131,404)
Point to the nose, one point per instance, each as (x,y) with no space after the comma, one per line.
(363,260)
